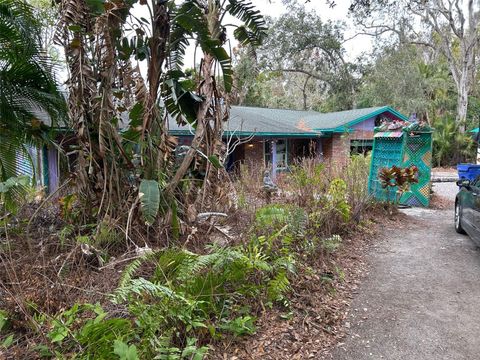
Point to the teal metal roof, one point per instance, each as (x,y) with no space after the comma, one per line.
(290,123)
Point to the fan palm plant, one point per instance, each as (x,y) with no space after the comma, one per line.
(27,87)
(449,145)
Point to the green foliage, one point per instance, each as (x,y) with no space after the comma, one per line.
(124,351)
(254,29)
(3,320)
(174,301)
(270,215)
(356,178)
(188,296)
(329,212)
(397,80)
(27,85)
(277,217)
(67,208)
(149,194)
(13,192)
(300,63)
(449,145)
(338,199)
(6,339)
(186,291)
(96,335)
(278,287)
(401,178)
(106,236)
(192,21)
(240,326)
(332,243)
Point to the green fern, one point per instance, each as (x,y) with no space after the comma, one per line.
(274,217)
(332,243)
(278,287)
(131,268)
(141,287)
(97,337)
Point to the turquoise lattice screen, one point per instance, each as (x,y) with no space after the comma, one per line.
(418,152)
(402,149)
(387,151)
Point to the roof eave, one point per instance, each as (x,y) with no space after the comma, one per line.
(375,113)
(315,134)
(345,128)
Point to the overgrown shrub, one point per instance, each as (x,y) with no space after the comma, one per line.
(356,179)
(249,182)
(170,304)
(187,298)
(307,181)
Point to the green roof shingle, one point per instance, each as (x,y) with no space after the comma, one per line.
(271,122)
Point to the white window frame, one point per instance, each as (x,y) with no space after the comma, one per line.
(267,163)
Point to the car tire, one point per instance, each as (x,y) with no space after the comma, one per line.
(458,218)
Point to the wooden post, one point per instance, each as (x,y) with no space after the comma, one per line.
(274,159)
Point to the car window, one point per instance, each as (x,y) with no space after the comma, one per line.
(476,182)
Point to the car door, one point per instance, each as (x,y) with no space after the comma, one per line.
(475,209)
(466,199)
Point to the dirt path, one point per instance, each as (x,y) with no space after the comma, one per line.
(421,299)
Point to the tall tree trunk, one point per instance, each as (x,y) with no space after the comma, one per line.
(304,90)
(206,90)
(462,103)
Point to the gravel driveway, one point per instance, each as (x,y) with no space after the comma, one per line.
(446,189)
(421,299)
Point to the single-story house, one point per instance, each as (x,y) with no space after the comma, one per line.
(273,138)
(276,137)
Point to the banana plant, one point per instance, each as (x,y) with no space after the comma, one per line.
(203,20)
(104,39)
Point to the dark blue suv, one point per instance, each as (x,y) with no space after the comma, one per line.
(467,209)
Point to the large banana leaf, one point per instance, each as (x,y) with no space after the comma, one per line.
(149,194)
(254,29)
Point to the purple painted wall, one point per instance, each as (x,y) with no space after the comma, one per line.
(366,125)
(369,124)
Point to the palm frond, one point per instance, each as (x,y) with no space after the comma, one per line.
(28,91)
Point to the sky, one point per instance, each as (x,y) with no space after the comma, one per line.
(275,8)
(339,12)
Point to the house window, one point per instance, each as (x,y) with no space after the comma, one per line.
(282,157)
(360,146)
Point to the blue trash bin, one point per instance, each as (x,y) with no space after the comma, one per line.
(468,171)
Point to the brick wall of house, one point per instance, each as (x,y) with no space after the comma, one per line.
(340,149)
(327,149)
(254,153)
(362,135)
